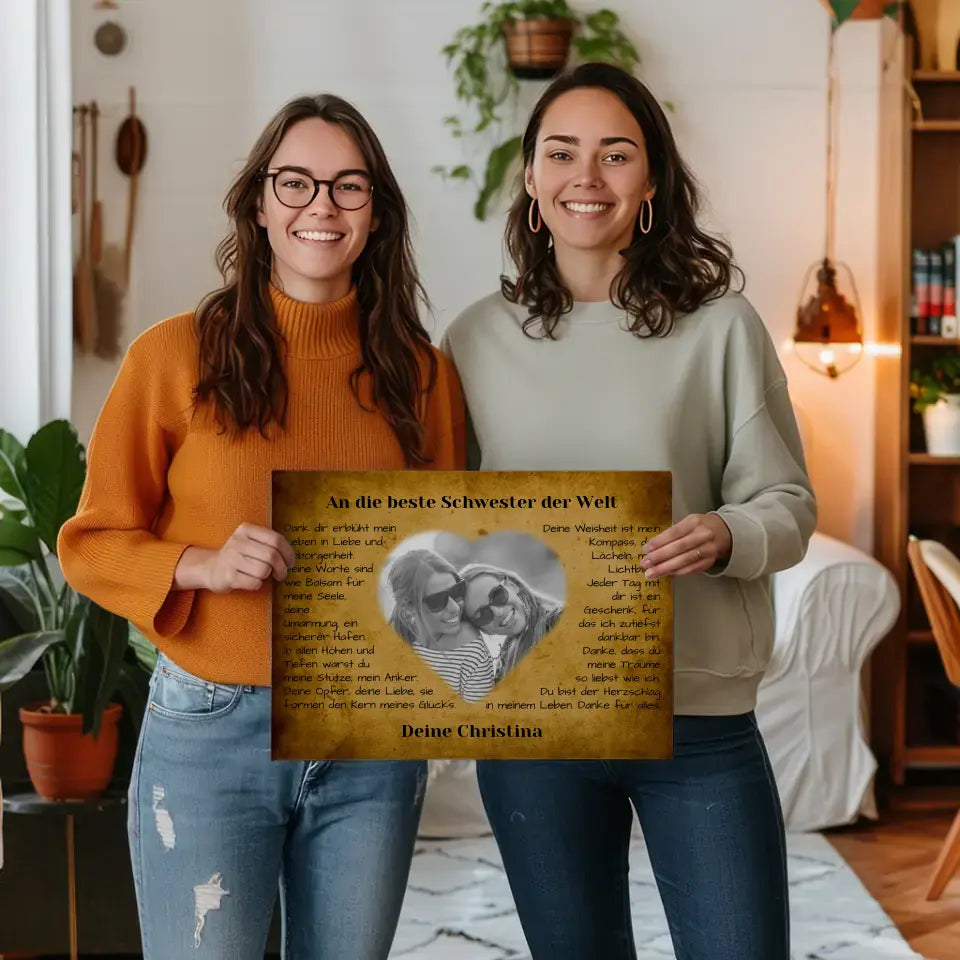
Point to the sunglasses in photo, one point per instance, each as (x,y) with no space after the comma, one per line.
(435,602)
(497,597)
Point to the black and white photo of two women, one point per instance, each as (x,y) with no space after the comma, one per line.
(472,611)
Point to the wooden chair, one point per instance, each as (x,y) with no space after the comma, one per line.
(937,571)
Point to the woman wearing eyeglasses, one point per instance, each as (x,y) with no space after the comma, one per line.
(310,356)
(500,603)
(428,614)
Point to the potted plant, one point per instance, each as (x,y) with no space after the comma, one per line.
(936,397)
(537,35)
(862,9)
(88,654)
(512,41)
(854,9)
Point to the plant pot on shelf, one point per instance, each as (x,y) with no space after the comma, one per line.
(926,17)
(941,426)
(865,9)
(870,9)
(537,49)
(948,37)
(63,762)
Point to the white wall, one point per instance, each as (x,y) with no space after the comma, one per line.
(747,78)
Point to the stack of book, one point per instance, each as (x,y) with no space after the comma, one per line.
(933,309)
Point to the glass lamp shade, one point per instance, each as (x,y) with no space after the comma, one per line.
(828,338)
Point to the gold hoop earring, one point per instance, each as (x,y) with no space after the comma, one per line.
(648,206)
(534,229)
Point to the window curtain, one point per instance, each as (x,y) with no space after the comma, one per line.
(36,120)
(36,328)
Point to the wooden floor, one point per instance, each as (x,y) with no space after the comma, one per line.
(893,859)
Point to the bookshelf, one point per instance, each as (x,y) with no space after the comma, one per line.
(926,460)
(936,126)
(915,722)
(936,76)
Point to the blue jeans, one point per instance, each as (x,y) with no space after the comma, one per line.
(713,828)
(214,826)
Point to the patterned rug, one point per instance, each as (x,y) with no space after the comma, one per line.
(458,907)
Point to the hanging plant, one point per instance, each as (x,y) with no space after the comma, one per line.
(844,10)
(527,39)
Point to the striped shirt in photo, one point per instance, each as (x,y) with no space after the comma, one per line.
(468,669)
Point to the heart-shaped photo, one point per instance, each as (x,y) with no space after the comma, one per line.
(472,610)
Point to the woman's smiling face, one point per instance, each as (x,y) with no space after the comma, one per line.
(493,605)
(437,588)
(590,170)
(314,247)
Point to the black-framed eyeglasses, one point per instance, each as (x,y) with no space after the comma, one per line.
(497,597)
(294,187)
(435,602)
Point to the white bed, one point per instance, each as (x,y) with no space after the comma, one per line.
(831,611)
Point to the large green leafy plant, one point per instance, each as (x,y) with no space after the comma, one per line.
(88,654)
(484,83)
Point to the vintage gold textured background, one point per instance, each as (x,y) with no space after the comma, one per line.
(643,499)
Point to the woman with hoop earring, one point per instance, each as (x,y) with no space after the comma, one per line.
(620,344)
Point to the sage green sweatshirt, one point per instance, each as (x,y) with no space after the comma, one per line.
(709,403)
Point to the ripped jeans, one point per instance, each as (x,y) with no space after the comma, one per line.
(214,826)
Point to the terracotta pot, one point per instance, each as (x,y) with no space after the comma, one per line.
(866,10)
(926,14)
(948,36)
(537,49)
(63,763)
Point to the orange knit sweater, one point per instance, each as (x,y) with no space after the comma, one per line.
(162,477)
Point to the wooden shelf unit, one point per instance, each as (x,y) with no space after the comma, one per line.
(933,755)
(936,76)
(912,726)
(936,126)
(930,460)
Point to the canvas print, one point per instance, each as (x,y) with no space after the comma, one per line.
(471,614)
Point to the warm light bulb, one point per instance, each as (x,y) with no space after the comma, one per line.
(883,349)
(828,358)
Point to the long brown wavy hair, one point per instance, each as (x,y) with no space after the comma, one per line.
(671,270)
(241,369)
(541,613)
(407,575)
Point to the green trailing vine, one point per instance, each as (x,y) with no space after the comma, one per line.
(484,83)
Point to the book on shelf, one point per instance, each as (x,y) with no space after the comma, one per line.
(936,292)
(933,290)
(921,292)
(948,322)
